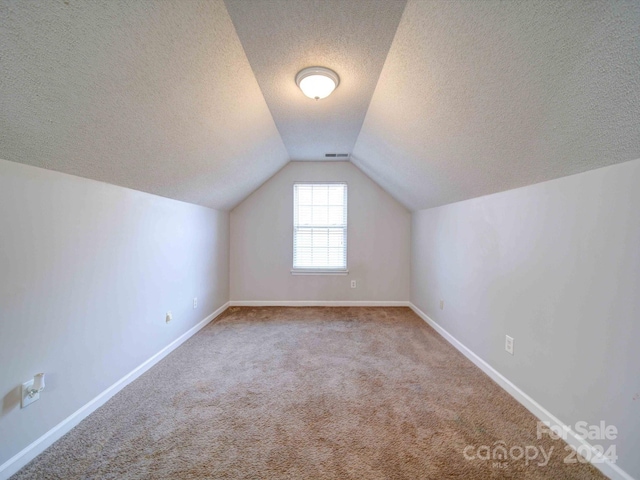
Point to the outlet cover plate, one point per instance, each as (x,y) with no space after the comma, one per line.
(26,400)
(508,344)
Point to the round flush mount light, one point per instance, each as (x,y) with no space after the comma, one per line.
(317,82)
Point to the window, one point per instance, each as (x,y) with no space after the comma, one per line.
(320,227)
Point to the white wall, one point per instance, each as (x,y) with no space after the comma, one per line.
(88,271)
(378,247)
(557,266)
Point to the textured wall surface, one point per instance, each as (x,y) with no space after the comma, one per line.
(156,96)
(557,267)
(480,97)
(377,245)
(282,37)
(88,272)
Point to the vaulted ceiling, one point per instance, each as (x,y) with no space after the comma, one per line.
(281,37)
(153,95)
(439,101)
(477,97)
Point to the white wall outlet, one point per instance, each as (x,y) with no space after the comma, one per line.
(169,317)
(441,304)
(353,284)
(195,302)
(508,344)
(26,399)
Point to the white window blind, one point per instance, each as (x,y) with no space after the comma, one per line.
(320,226)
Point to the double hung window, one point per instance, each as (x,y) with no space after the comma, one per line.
(320,227)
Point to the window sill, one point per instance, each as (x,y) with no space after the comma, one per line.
(302,271)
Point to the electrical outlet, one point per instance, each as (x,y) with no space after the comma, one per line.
(441,304)
(195,302)
(169,317)
(508,344)
(353,284)
(26,399)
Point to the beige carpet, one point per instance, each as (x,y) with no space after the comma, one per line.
(306,393)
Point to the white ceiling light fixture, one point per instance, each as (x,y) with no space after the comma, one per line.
(317,82)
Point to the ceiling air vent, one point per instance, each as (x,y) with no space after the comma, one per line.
(338,155)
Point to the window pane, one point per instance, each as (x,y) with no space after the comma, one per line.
(304,195)
(336,194)
(336,216)
(320,215)
(336,238)
(335,257)
(305,215)
(319,257)
(303,257)
(303,238)
(320,237)
(320,194)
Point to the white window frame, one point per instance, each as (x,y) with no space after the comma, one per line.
(321,271)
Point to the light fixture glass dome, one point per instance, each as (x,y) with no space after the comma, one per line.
(317,82)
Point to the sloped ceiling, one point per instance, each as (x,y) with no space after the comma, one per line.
(477,97)
(155,96)
(459,98)
(352,37)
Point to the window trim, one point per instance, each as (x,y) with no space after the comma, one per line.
(320,271)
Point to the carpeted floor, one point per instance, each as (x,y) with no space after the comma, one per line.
(307,393)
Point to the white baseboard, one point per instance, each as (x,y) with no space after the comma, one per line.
(23,457)
(319,303)
(608,468)
(19,460)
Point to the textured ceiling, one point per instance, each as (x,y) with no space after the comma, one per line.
(156,96)
(474,97)
(281,37)
(477,97)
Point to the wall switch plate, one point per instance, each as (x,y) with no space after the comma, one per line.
(26,399)
(441,304)
(508,344)
(195,302)
(169,317)
(353,284)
